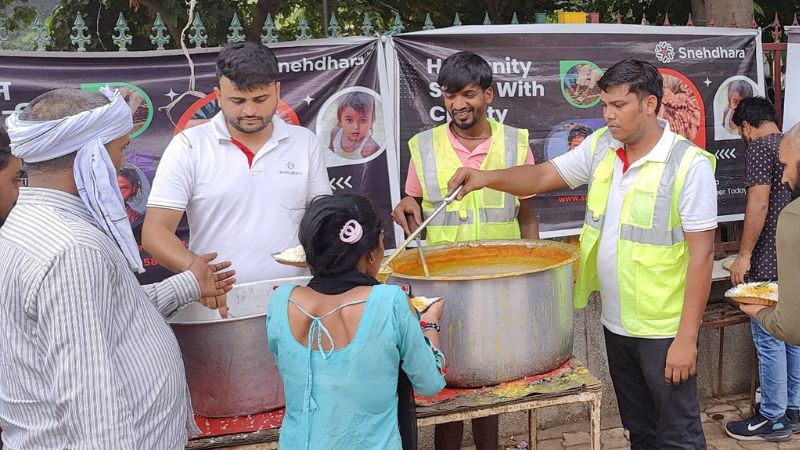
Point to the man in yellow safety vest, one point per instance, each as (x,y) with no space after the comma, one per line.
(646,245)
(469,139)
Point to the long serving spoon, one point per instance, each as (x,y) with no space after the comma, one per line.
(449,199)
(422,257)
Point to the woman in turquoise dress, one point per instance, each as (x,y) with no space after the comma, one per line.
(341,343)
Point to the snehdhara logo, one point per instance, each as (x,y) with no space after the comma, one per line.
(665,53)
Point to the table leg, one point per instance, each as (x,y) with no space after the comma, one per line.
(718,392)
(595,417)
(532,428)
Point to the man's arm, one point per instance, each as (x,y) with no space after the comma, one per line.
(755,216)
(783,321)
(697,207)
(202,280)
(682,354)
(570,170)
(528,224)
(172,192)
(408,214)
(759,161)
(318,181)
(521,181)
(76,315)
(159,239)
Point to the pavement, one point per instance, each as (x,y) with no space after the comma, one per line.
(716,413)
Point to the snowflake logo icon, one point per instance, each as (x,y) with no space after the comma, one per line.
(665,53)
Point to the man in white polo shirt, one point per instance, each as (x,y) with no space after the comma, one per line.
(243,178)
(646,245)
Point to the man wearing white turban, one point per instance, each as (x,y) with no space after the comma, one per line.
(86,357)
(11,176)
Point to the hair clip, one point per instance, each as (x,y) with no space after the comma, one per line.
(351,232)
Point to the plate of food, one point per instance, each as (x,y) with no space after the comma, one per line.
(294,256)
(423,303)
(763,293)
(728,262)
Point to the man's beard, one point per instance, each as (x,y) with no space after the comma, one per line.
(476,115)
(265,121)
(794,189)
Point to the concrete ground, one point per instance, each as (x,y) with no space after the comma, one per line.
(716,413)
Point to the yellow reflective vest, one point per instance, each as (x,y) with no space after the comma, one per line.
(652,254)
(483,214)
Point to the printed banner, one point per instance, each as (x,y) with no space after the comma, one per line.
(317,78)
(545,80)
(791,108)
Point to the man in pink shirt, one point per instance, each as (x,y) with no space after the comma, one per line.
(469,139)
(472,159)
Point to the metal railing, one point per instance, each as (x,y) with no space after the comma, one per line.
(160,36)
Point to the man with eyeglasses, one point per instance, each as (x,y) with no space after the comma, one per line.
(11,176)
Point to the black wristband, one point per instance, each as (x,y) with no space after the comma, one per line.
(432,326)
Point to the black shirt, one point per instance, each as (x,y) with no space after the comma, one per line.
(762,167)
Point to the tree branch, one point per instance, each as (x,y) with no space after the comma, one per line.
(253,31)
(155,6)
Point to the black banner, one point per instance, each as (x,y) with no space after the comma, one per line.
(545,80)
(315,78)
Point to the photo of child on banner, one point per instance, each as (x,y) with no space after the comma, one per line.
(350,123)
(569,134)
(352,137)
(135,187)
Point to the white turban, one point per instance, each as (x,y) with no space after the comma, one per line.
(95,174)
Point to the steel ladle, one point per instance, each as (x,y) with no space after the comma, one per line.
(447,200)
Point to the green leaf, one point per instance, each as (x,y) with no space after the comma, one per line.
(759,10)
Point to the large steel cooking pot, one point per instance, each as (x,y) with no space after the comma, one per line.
(509,306)
(229,368)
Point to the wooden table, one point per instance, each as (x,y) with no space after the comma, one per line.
(720,314)
(571,384)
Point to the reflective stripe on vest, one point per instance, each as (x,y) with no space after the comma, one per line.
(651,248)
(660,232)
(432,192)
(481,214)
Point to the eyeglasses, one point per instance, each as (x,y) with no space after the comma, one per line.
(21,180)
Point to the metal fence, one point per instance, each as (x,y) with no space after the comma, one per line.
(197,36)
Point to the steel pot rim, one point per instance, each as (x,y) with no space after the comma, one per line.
(220,320)
(574,254)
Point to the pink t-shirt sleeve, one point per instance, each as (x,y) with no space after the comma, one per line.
(529,158)
(413,186)
(529,162)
